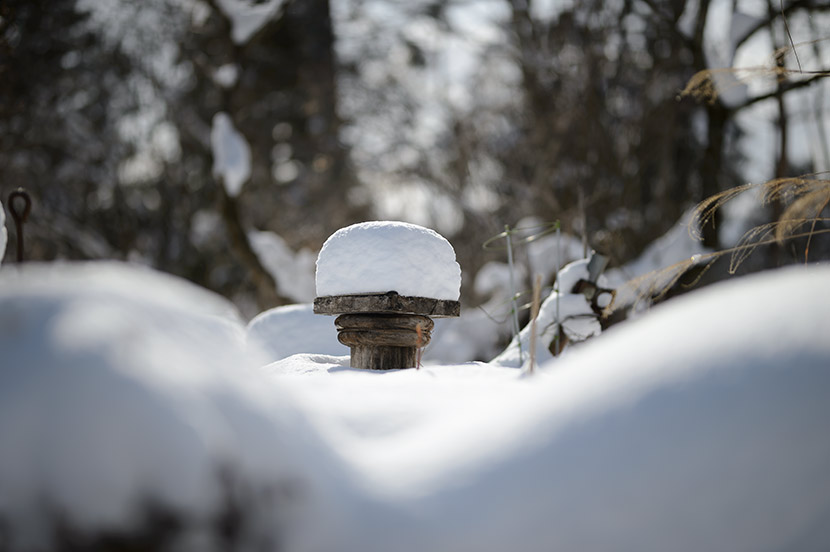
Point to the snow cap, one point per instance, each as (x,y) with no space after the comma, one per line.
(383,256)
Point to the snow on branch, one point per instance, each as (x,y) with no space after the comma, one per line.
(231,154)
(247,17)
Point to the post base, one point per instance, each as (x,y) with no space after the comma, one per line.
(384,341)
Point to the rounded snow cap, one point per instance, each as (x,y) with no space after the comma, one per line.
(384,256)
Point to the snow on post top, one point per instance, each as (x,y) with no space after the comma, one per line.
(383,256)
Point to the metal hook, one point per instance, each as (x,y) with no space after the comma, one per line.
(20,217)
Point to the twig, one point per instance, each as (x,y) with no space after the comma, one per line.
(419,345)
(786,87)
(537,293)
(789,35)
(513,290)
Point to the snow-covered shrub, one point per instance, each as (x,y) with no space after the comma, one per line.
(563,313)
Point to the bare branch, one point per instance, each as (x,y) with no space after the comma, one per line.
(785,11)
(784,88)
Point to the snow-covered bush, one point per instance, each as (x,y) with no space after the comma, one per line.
(563,313)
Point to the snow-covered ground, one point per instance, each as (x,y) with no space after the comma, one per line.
(698,426)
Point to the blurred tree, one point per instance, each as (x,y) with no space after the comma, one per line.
(601,120)
(464,115)
(569,114)
(564,111)
(106,117)
(58,137)
(278,86)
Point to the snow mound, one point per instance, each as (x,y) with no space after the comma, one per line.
(383,256)
(658,434)
(121,386)
(284,331)
(699,426)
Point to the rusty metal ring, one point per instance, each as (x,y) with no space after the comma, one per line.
(20,218)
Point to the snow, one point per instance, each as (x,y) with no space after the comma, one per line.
(120,384)
(675,245)
(741,214)
(205,228)
(543,252)
(293,272)
(248,17)
(374,418)
(571,310)
(479,333)
(227,75)
(549,11)
(686,23)
(4,236)
(474,335)
(651,437)
(383,256)
(293,329)
(700,425)
(732,92)
(231,154)
(654,436)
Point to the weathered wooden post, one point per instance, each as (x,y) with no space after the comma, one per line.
(386,281)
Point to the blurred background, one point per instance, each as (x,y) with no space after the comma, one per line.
(225,140)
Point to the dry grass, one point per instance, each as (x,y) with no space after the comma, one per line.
(806,198)
(653,286)
(709,84)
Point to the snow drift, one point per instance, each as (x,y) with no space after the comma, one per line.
(698,426)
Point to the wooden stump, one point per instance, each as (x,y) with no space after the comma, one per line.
(384,341)
(384,331)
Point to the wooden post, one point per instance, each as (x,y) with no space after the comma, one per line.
(383,341)
(384,331)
